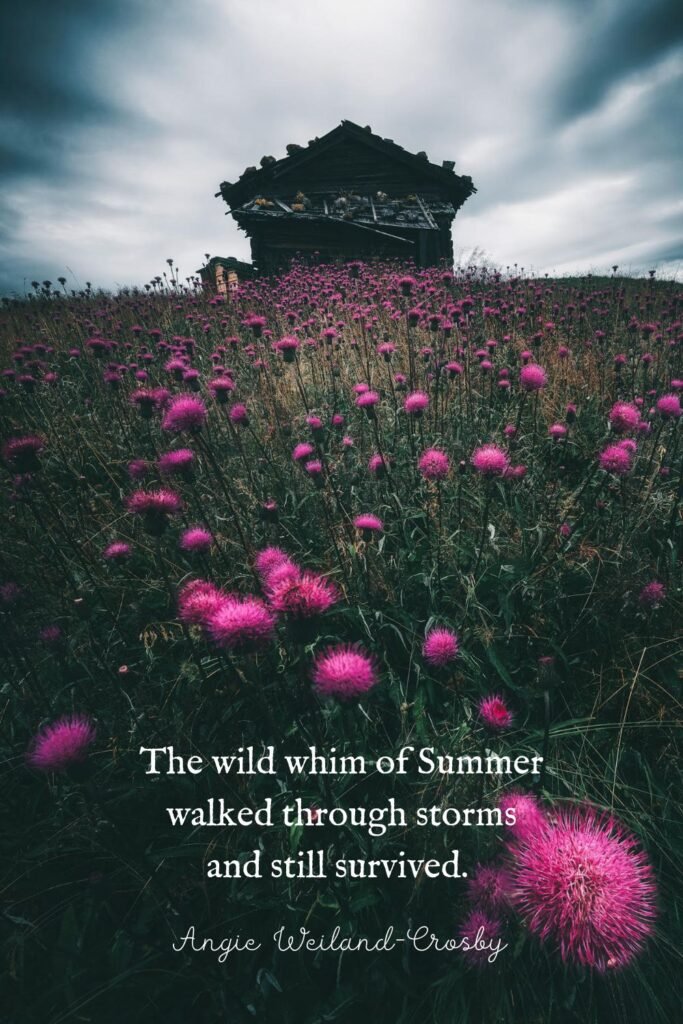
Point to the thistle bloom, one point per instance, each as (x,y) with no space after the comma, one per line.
(302,451)
(490,888)
(368,400)
(185,412)
(585,886)
(490,460)
(624,417)
(616,459)
(301,595)
(434,464)
(155,506)
(652,594)
(239,415)
(440,647)
(195,538)
(62,744)
(240,624)
(178,461)
(197,599)
(533,377)
(345,671)
(220,388)
(269,559)
(557,431)
(528,815)
(669,406)
(378,465)
(369,524)
(416,403)
(21,453)
(138,469)
(495,713)
(479,929)
(117,551)
(288,347)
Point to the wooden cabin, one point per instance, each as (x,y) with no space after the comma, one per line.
(224,274)
(348,195)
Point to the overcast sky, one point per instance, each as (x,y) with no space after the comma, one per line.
(119,120)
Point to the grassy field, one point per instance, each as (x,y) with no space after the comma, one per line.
(512,447)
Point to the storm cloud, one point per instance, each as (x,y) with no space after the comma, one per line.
(119,121)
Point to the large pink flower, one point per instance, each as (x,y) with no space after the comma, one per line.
(344,671)
(240,624)
(63,743)
(185,412)
(585,886)
(440,646)
(490,460)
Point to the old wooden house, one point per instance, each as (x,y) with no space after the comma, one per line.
(348,195)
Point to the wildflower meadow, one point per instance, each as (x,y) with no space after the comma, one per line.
(360,508)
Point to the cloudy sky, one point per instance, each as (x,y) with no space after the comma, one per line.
(118,121)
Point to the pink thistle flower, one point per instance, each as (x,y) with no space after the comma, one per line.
(478,931)
(557,431)
(155,506)
(528,815)
(495,713)
(178,461)
(490,888)
(302,451)
(616,459)
(162,501)
(490,460)
(269,559)
(453,369)
(117,551)
(62,744)
(51,636)
(434,464)
(21,453)
(624,417)
(378,465)
(138,469)
(386,349)
(239,415)
(440,647)
(669,406)
(652,595)
(586,886)
(345,671)
(368,400)
(197,599)
(220,388)
(185,412)
(194,539)
(288,348)
(369,524)
(303,595)
(416,403)
(533,377)
(515,473)
(240,624)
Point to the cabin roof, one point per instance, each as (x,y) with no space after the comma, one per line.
(256,181)
(378,214)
